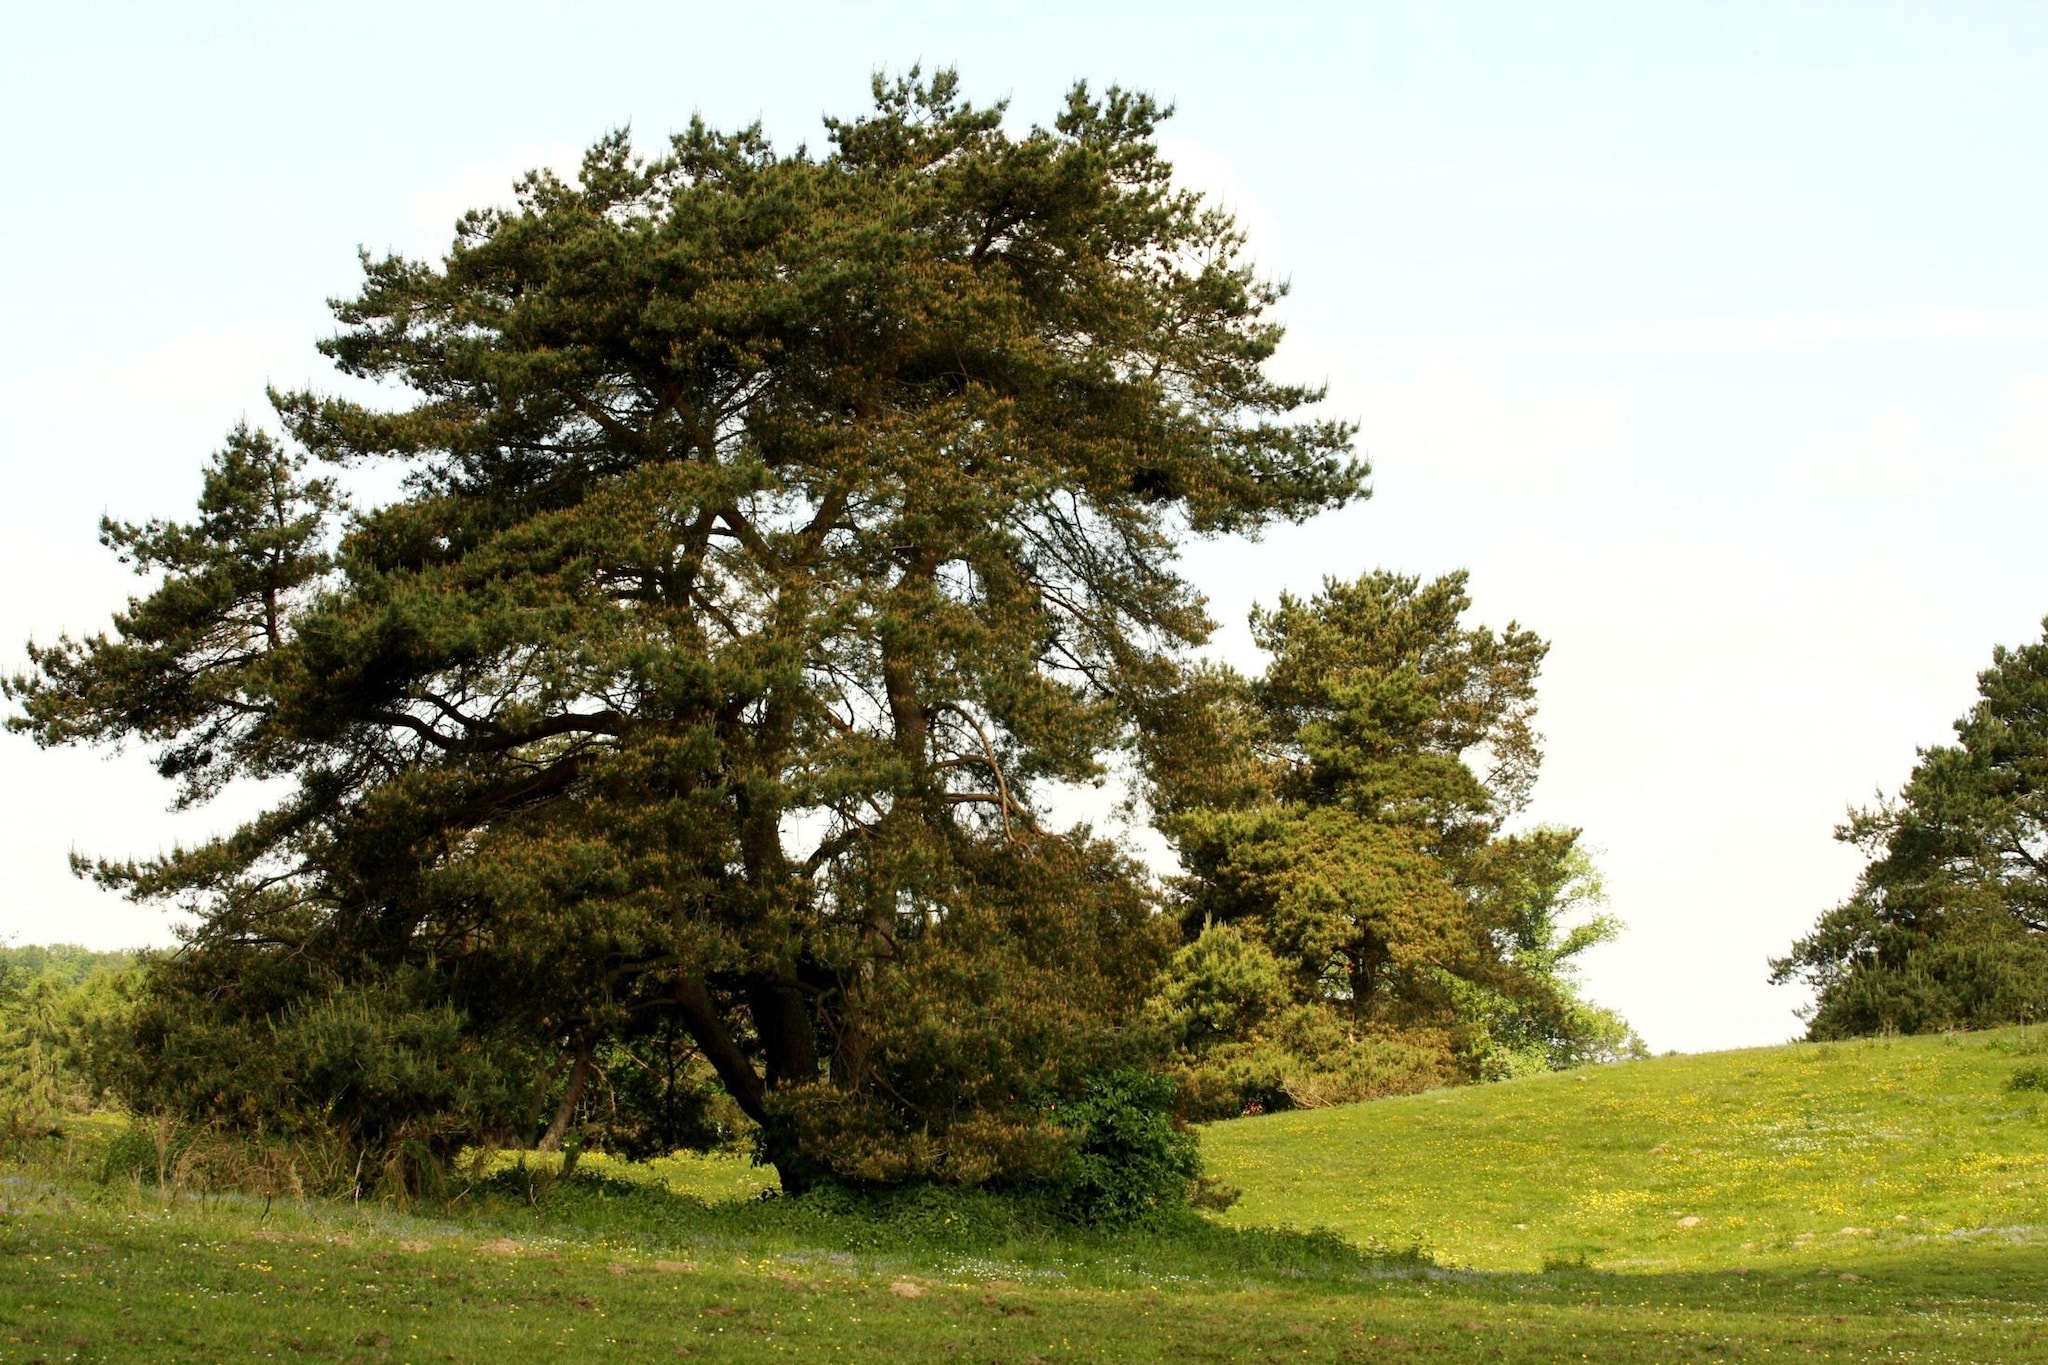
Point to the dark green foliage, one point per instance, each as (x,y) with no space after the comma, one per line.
(1963,966)
(386,1073)
(654,1095)
(775,528)
(131,1154)
(1948,925)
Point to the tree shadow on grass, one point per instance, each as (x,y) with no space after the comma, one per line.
(979,1232)
(931,1225)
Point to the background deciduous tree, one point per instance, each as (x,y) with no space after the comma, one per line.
(1365,925)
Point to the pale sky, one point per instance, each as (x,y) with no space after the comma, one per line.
(1712,339)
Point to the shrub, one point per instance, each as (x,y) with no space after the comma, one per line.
(1132,1160)
(657,1096)
(2033,1076)
(51,998)
(1977,969)
(1219,989)
(1311,1058)
(378,1078)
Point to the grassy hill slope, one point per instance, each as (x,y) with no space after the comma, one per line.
(1805,1154)
(1918,1145)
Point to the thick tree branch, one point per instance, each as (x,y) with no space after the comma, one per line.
(701,1018)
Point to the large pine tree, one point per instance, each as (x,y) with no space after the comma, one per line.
(774,526)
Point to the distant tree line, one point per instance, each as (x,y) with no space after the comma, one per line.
(53,998)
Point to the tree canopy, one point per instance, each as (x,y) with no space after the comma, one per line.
(1948,924)
(1362,920)
(774,527)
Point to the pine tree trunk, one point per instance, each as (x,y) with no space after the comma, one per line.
(551,1141)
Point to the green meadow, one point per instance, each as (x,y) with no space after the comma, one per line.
(1880,1200)
(1811,1154)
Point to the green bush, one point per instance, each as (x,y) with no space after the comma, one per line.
(1971,968)
(378,1077)
(659,1096)
(1132,1160)
(2033,1076)
(1310,1058)
(134,1153)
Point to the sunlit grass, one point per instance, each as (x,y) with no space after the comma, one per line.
(1874,1201)
(1809,1154)
(712,1177)
(199,1281)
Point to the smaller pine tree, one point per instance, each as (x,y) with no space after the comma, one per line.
(1948,925)
(1362,924)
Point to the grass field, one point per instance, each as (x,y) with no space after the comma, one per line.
(1873,1201)
(1790,1156)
